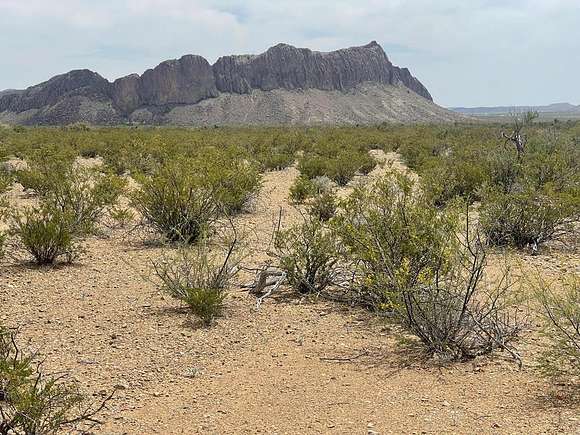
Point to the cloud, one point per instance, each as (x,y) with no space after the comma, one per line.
(476,52)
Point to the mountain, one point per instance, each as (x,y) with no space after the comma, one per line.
(506,110)
(283,85)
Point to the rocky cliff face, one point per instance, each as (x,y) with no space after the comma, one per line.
(286,67)
(191,80)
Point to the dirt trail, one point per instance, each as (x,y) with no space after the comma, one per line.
(293,367)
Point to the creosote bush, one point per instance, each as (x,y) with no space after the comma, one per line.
(397,237)
(561,313)
(323,206)
(455,314)
(528,218)
(84,194)
(199,277)
(301,189)
(233,178)
(46,233)
(340,165)
(175,204)
(32,402)
(309,254)
(410,262)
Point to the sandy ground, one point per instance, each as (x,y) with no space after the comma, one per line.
(295,366)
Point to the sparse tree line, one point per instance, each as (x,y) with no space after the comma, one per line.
(414,251)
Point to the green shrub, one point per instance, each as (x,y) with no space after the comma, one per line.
(301,189)
(343,168)
(232,179)
(122,216)
(84,194)
(312,166)
(175,204)
(397,237)
(46,233)
(561,314)
(32,402)
(2,242)
(411,262)
(445,180)
(275,160)
(309,254)
(340,167)
(198,278)
(5,181)
(367,164)
(527,218)
(323,206)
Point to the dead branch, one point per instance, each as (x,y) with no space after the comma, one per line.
(267,281)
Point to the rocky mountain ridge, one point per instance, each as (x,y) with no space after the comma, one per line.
(83,95)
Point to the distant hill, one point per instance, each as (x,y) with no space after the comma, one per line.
(505,110)
(284,85)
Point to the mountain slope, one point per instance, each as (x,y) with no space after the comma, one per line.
(285,84)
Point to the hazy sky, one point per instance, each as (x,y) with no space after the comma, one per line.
(467,52)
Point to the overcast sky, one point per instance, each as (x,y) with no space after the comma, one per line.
(467,52)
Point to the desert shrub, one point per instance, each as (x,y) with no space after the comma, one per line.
(274,159)
(343,168)
(411,263)
(34,403)
(301,189)
(46,233)
(309,254)
(5,181)
(396,235)
(175,204)
(504,168)
(444,180)
(122,216)
(561,314)
(199,278)
(84,194)
(338,164)
(366,164)
(528,217)
(2,242)
(312,166)
(232,178)
(454,313)
(552,165)
(323,206)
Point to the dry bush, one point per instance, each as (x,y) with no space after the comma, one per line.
(199,276)
(173,203)
(309,254)
(561,314)
(34,403)
(46,233)
(456,315)
(528,218)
